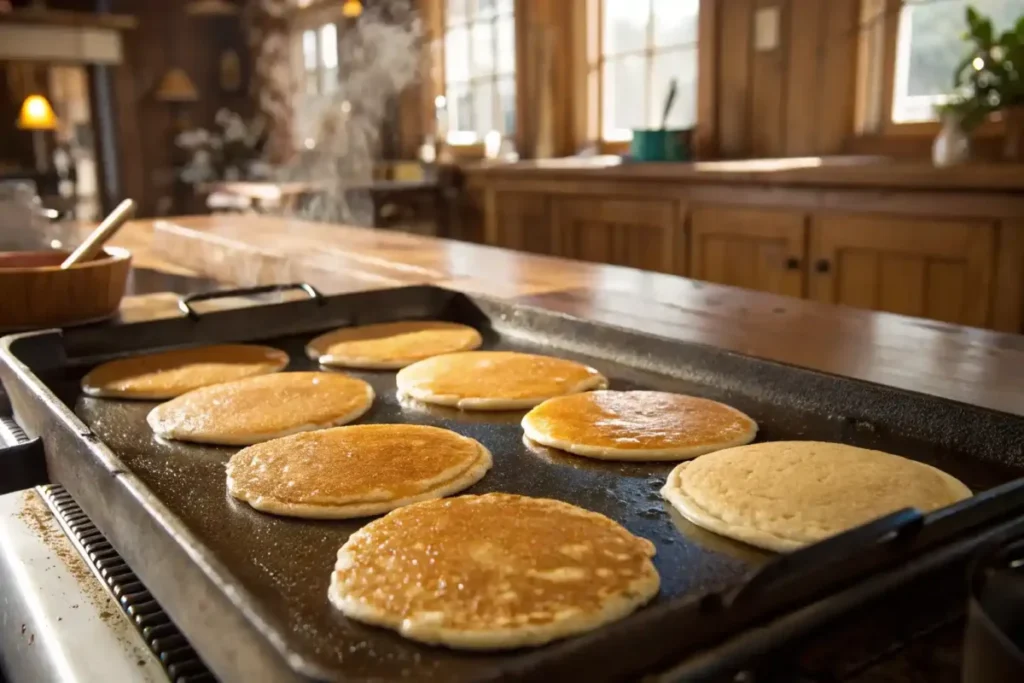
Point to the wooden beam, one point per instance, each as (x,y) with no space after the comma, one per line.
(734,113)
(708,54)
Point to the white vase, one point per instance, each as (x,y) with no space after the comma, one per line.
(951,146)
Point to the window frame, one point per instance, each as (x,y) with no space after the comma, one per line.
(475,148)
(593,66)
(877,55)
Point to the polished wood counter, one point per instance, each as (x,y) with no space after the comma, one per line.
(833,172)
(966,364)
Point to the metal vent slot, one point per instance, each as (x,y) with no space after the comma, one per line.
(179,660)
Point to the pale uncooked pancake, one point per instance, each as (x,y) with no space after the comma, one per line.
(787,494)
(262,408)
(492,572)
(637,425)
(495,380)
(355,471)
(168,374)
(389,346)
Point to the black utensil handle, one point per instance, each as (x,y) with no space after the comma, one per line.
(804,564)
(22,462)
(185,302)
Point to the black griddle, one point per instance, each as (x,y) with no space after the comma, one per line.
(249,589)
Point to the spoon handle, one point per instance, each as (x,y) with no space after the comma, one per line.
(98,237)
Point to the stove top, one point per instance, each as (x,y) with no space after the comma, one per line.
(71,609)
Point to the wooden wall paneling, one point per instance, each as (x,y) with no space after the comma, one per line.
(837,84)
(737,18)
(763,250)
(803,86)
(767,87)
(708,57)
(1008,292)
(581,98)
(939,269)
(432,14)
(871,48)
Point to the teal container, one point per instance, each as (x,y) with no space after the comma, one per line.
(662,144)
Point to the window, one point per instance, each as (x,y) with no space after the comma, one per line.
(309,63)
(320,60)
(328,58)
(480,66)
(643,46)
(929,46)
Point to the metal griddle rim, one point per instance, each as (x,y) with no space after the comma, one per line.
(41,411)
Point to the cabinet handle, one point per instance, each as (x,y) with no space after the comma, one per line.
(792,263)
(823,266)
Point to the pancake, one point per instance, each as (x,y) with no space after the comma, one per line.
(637,425)
(164,375)
(355,471)
(492,572)
(262,408)
(389,346)
(787,494)
(494,380)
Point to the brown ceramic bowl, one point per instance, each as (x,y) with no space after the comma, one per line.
(35,292)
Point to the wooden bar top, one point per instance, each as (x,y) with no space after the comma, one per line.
(960,363)
(824,172)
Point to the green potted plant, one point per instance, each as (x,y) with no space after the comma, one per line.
(990,79)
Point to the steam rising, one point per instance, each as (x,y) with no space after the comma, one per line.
(379,57)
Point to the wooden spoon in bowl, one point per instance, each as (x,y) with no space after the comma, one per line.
(93,244)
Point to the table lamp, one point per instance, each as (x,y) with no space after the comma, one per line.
(177,89)
(37,116)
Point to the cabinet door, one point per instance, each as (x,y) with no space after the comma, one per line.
(752,248)
(627,232)
(927,268)
(523,221)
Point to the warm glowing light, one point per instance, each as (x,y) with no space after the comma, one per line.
(978,63)
(352,8)
(36,114)
(440,102)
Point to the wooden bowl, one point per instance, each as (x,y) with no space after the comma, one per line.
(35,292)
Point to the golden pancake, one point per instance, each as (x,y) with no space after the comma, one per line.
(784,495)
(172,373)
(637,425)
(492,572)
(261,408)
(355,471)
(494,380)
(389,346)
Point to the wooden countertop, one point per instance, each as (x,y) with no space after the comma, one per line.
(825,172)
(965,364)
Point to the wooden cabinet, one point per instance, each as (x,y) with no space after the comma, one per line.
(522,222)
(941,269)
(627,232)
(760,249)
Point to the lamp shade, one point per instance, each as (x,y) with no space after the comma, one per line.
(176,86)
(36,114)
(352,8)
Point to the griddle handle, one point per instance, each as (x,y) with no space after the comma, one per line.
(22,461)
(185,302)
(803,566)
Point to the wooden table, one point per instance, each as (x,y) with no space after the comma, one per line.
(966,364)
